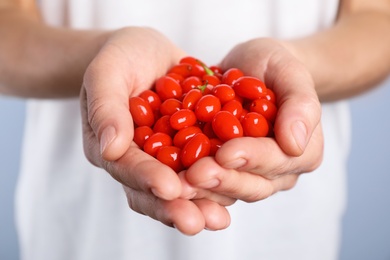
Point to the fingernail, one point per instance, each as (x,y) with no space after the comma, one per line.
(235,164)
(107,137)
(299,132)
(155,192)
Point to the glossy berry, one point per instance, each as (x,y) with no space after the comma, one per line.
(217,70)
(185,134)
(192,98)
(163,125)
(264,107)
(141,134)
(249,87)
(215,144)
(170,155)
(231,75)
(211,79)
(207,107)
(155,142)
(234,107)
(270,96)
(152,98)
(197,68)
(182,118)
(208,130)
(175,76)
(197,147)
(226,126)
(191,83)
(224,92)
(243,114)
(255,125)
(141,111)
(184,70)
(170,106)
(167,87)
(206,89)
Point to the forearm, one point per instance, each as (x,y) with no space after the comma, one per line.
(41,61)
(349,58)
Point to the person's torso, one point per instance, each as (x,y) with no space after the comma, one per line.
(68,209)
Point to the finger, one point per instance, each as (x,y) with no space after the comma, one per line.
(140,171)
(241,185)
(195,193)
(251,169)
(263,156)
(107,96)
(90,140)
(216,216)
(135,168)
(299,109)
(237,184)
(181,214)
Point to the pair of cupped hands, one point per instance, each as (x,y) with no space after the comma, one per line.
(247,169)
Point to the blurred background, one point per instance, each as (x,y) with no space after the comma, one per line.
(366,229)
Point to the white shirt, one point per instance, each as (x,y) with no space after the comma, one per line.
(68,209)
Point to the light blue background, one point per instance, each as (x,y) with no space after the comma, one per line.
(366,231)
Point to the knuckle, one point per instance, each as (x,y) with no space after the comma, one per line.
(291,182)
(132,201)
(315,164)
(95,108)
(92,158)
(262,191)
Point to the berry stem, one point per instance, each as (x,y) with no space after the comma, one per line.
(203,87)
(206,69)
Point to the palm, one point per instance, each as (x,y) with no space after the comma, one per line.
(252,169)
(127,64)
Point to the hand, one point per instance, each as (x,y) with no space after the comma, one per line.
(252,169)
(130,61)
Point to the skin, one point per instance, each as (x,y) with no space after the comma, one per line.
(321,67)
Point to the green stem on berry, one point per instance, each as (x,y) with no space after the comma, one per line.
(206,69)
(203,87)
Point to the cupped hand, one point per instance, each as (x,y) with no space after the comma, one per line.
(128,63)
(252,169)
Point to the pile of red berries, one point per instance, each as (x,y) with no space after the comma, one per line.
(193,109)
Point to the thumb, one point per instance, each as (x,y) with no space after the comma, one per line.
(299,110)
(107,109)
